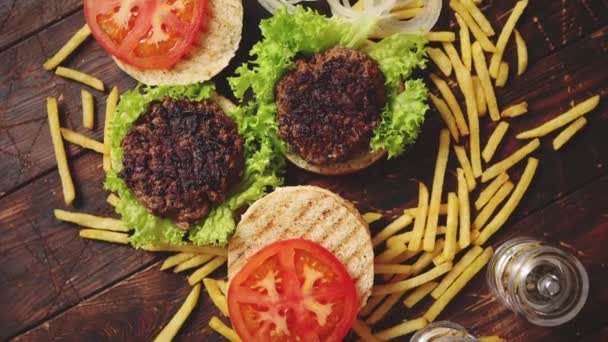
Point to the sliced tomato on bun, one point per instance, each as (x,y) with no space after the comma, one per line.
(147,34)
(292,290)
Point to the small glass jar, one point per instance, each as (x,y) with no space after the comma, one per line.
(543,283)
(442,331)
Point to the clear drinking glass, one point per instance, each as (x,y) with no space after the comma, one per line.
(543,283)
(442,331)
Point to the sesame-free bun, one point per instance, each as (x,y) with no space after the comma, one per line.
(216,47)
(357,163)
(311,213)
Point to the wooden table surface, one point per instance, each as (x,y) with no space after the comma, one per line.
(57,286)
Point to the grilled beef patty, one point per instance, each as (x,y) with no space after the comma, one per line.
(181,157)
(329,105)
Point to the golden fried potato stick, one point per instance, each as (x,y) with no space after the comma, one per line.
(111,102)
(503,38)
(447,117)
(455,272)
(186,247)
(113,200)
(505,164)
(388,303)
(171,329)
(487,193)
(480,18)
(430,232)
(564,136)
(402,238)
(67,184)
(393,269)
(492,338)
(441,60)
(443,210)
(216,295)
(419,293)
(402,329)
(461,155)
(484,215)
(522,53)
(371,217)
(390,230)
(81,140)
(481,68)
(494,140)
(480,36)
(503,215)
(224,330)
(414,282)
(447,94)
(176,259)
(91,221)
(206,270)
(223,285)
(192,263)
(371,304)
(421,214)
(440,36)
(464,211)
(515,110)
(88,109)
(562,120)
(363,331)
(465,42)
(81,77)
(460,282)
(480,97)
(80,36)
(449,250)
(503,74)
(104,235)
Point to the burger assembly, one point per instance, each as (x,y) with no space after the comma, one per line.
(194,172)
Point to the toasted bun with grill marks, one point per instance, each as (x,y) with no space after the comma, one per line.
(311,213)
(216,47)
(359,162)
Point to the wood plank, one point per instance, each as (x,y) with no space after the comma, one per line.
(46,266)
(139,306)
(19,18)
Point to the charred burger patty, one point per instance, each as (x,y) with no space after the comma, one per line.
(180,157)
(329,105)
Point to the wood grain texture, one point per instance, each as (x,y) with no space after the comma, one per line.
(62,286)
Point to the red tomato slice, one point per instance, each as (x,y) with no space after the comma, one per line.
(292,290)
(147,34)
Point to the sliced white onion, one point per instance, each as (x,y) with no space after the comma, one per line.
(421,23)
(274,5)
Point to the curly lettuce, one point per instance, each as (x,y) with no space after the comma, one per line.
(263,164)
(305,32)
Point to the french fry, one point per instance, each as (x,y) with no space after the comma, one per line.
(419,293)
(480,97)
(406,13)
(387,304)
(81,77)
(480,19)
(81,140)
(465,42)
(390,230)
(446,115)
(441,60)
(503,38)
(447,94)
(224,330)
(440,36)
(206,270)
(186,247)
(363,331)
(428,243)
(67,184)
(460,266)
(490,190)
(480,36)
(427,257)
(88,109)
(402,329)
(403,257)
(568,132)
(464,214)
(503,74)
(104,235)
(505,212)
(390,253)
(441,258)
(449,250)
(411,283)
(176,259)
(223,285)
(492,338)
(443,210)
(522,53)
(419,222)
(507,163)
(111,102)
(192,263)
(460,282)
(484,215)
(371,217)
(494,140)
(171,329)
(216,295)
(562,120)
(371,304)
(486,83)
(402,238)
(515,110)
(69,47)
(392,269)
(113,200)
(461,155)
(91,221)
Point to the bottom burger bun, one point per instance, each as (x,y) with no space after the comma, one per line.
(310,213)
(216,47)
(359,162)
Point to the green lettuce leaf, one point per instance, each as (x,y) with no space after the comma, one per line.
(304,32)
(262,166)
